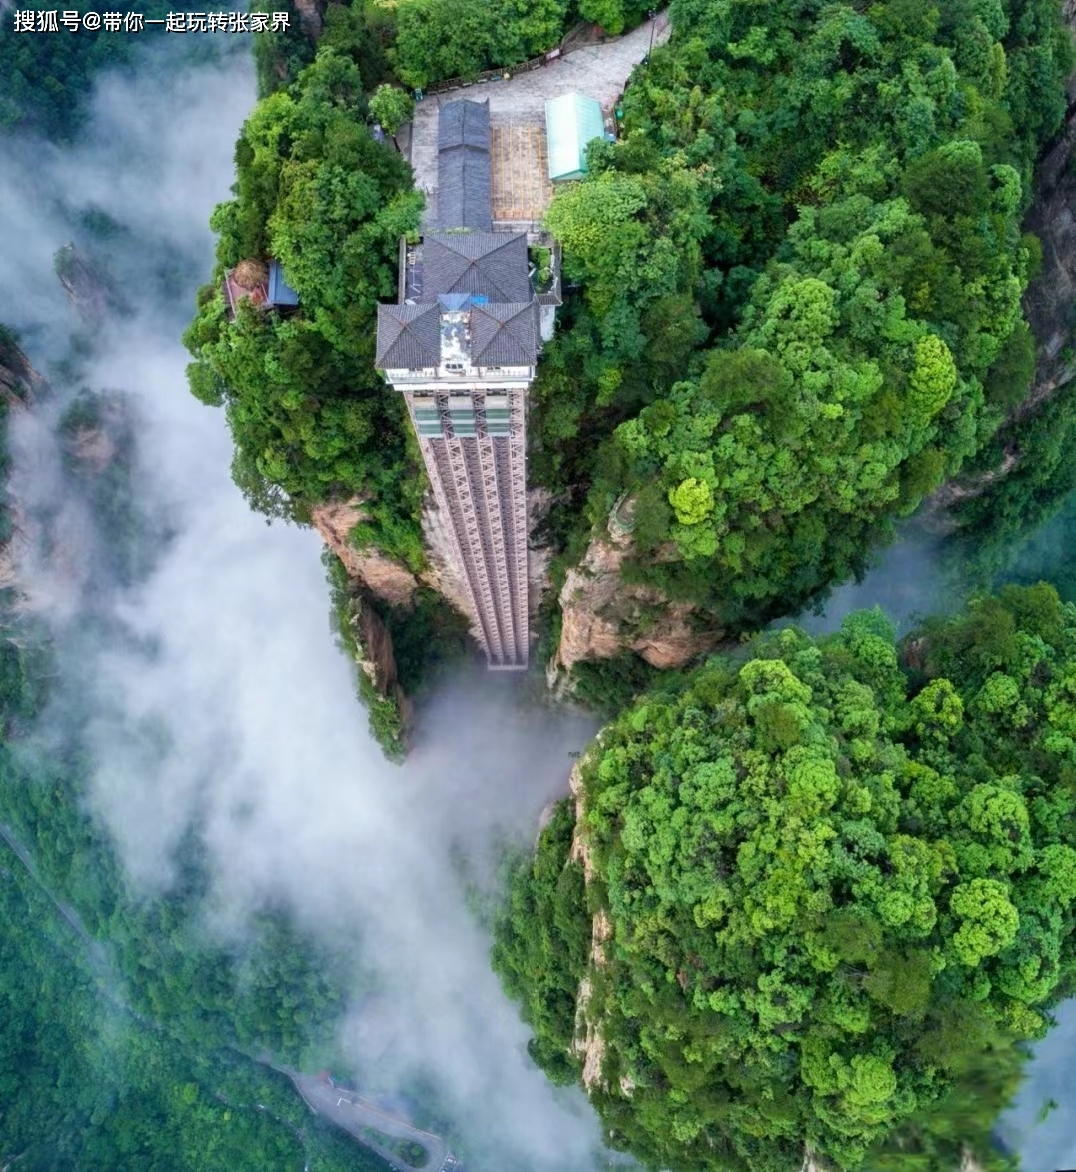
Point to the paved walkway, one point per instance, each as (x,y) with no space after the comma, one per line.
(599,71)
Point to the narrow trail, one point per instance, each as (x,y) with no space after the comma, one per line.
(98,954)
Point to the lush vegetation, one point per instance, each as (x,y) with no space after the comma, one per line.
(801,270)
(833,889)
(88,1084)
(128,1036)
(310,416)
(48,76)
(437,39)
(1003,525)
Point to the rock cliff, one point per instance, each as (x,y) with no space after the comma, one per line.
(18,379)
(385,578)
(311,16)
(376,582)
(19,383)
(603,616)
(377,660)
(1050,302)
(91,290)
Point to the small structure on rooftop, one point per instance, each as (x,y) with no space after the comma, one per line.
(571,122)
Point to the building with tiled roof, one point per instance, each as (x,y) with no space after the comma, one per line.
(462,346)
(494,264)
(408,336)
(464,173)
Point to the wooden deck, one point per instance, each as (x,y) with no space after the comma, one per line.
(521,187)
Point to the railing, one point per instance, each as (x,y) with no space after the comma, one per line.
(456,83)
(564,46)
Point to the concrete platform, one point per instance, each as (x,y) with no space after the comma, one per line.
(517,110)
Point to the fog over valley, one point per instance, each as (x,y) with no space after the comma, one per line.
(215,697)
(811,908)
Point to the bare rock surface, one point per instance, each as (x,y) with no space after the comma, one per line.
(378,661)
(385,578)
(311,16)
(602,615)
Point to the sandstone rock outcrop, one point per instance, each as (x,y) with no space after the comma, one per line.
(602,615)
(383,577)
(90,290)
(311,16)
(18,379)
(1051,296)
(377,659)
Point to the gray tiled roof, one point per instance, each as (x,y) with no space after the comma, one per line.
(464,181)
(408,336)
(490,263)
(463,123)
(504,334)
(464,177)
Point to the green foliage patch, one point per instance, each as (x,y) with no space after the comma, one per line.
(48,77)
(439,39)
(801,270)
(837,894)
(310,416)
(127,1033)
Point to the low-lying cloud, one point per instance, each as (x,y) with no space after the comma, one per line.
(224,702)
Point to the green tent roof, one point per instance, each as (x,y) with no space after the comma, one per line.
(571,121)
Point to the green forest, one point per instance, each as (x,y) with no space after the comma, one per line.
(798,280)
(815,894)
(829,897)
(49,77)
(130,1038)
(802,269)
(828,885)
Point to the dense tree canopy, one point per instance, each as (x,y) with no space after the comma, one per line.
(126,1030)
(90,1086)
(828,880)
(310,416)
(801,270)
(48,77)
(438,39)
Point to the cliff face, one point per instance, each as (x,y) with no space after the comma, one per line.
(19,383)
(1052,295)
(311,16)
(383,577)
(91,291)
(377,661)
(1049,303)
(18,379)
(602,615)
(376,581)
